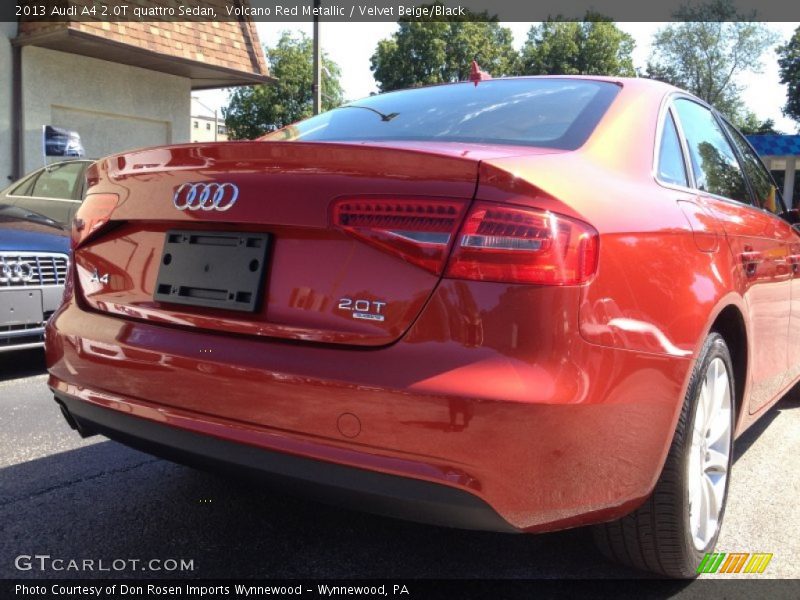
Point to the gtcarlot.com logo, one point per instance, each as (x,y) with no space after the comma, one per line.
(45,562)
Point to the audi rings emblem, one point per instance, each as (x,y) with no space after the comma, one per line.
(12,271)
(206,196)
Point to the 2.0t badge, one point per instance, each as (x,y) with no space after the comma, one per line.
(368,310)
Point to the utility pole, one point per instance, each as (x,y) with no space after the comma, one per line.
(317,86)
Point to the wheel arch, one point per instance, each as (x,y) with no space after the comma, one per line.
(729,322)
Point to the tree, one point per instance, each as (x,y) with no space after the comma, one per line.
(721,176)
(256,110)
(749,124)
(441,50)
(708,50)
(594,46)
(789,63)
(666,73)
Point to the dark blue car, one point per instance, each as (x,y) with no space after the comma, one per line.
(34,254)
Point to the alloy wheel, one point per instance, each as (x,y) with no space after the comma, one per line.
(709,455)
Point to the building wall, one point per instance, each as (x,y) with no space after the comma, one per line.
(113,107)
(202,129)
(781,166)
(7,32)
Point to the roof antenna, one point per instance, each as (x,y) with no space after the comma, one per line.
(476,74)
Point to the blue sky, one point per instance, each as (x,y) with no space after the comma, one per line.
(352,44)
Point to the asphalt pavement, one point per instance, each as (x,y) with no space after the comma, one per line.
(95,499)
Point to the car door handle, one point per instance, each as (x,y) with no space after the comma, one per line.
(751,257)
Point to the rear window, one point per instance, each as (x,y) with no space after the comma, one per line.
(551,113)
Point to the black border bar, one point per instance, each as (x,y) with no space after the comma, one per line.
(288,11)
(415,589)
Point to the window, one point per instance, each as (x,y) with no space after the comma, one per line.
(221,130)
(208,126)
(552,113)
(196,124)
(671,167)
(59,181)
(24,187)
(714,162)
(764,188)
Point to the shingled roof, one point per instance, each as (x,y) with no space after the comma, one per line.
(210,53)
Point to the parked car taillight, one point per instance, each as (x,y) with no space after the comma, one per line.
(93,213)
(523,245)
(417,230)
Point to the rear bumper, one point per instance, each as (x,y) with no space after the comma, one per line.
(399,497)
(526,418)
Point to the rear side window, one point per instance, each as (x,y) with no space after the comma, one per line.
(552,113)
(61,181)
(764,188)
(671,167)
(714,162)
(24,187)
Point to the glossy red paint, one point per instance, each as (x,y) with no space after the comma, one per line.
(482,391)
(554,404)
(313,264)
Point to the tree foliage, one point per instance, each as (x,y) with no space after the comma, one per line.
(256,110)
(748,123)
(594,46)
(721,176)
(441,50)
(707,50)
(789,63)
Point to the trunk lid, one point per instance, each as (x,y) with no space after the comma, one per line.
(320,284)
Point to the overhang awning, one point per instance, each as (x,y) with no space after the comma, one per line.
(203,75)
(780,153)
(776,145)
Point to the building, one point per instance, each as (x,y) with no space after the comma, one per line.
(121,85)
(781,154)
(206,124)
(202,129)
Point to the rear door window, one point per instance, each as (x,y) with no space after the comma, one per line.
(764,188)
(716,168)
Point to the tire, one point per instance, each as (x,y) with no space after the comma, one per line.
(664,535)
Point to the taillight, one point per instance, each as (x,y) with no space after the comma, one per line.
(505,243)
(93,213)
(417,230)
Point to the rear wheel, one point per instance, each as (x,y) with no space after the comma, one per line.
(671,532)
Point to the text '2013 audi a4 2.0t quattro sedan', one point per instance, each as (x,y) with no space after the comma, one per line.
(523,304)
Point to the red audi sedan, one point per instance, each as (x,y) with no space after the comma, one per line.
(516,305)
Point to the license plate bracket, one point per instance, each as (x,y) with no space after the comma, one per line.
(213,269)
